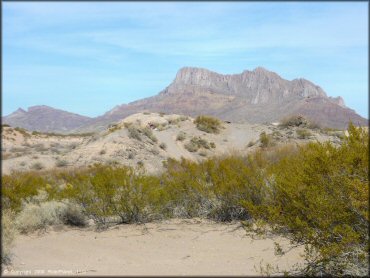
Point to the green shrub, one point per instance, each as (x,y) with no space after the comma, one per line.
(19,186)
(105,192)
(319,198)
(208,124)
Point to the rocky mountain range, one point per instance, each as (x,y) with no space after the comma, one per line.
(258,96)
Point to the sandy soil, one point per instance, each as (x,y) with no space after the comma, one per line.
(20,152)
(174,247)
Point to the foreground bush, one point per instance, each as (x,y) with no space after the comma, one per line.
(8,233)
(319,197)
(208,124)
(106,191)
(38,213)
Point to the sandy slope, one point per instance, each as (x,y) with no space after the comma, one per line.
(174,247)
(21,152)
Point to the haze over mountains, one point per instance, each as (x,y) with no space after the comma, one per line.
(256,96)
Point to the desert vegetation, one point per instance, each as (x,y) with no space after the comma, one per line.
(208,124)
(136,132)
(315,194)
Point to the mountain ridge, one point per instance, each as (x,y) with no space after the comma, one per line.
(255,96)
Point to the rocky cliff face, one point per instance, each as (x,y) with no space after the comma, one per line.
(256,96)
(256,87)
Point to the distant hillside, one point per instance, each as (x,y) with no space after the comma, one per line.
(46,119)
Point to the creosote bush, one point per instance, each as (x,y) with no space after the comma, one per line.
(319,198)
(208,124)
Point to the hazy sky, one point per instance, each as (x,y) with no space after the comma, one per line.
(87,57)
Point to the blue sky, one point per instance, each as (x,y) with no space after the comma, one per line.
(87,57)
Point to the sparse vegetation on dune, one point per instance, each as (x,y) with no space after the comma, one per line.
(181,136)
(136,132)
(299,121)
(315,194)
(197,143)
(208,124)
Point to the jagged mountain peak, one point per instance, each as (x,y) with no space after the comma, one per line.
(255,96)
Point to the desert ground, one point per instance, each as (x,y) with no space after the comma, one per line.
(23,150)
(172,247)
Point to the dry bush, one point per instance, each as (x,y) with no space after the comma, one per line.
(8,233)
(177,120)
(266,140)
(61,163)
(40,147)
(149,133)
(37,166)
(181,136)
(303,133)
(191,147)
(23,131)
(294,120)
(251,144)
(73,215)
(38,216)
(208,124)
(197,143)
(163,146)
(134,133)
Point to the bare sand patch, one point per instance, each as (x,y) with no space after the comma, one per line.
(173,247)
